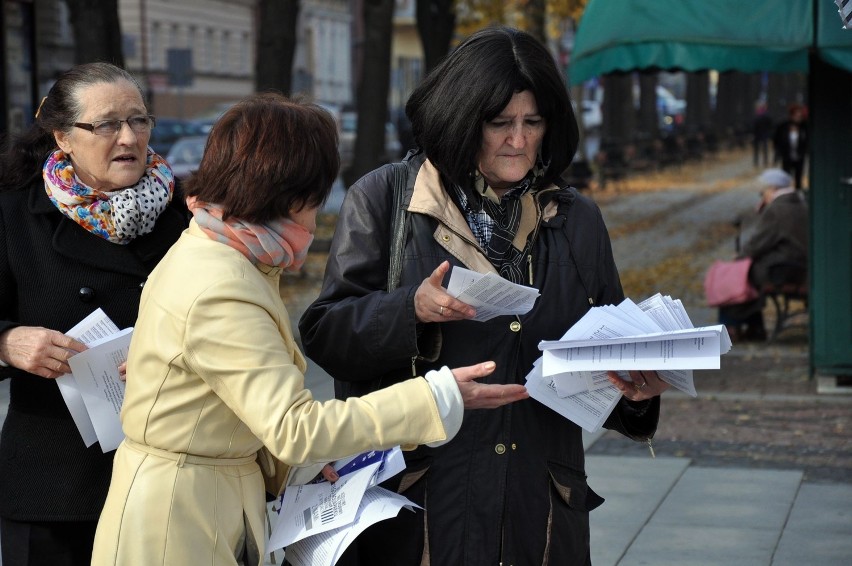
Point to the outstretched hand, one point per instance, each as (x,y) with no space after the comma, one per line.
(432,303)
(38,350)
(484,395)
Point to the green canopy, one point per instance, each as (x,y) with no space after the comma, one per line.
(689,35)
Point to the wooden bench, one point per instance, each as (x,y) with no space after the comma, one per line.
(785,298)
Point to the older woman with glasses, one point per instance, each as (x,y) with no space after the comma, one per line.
(86,212)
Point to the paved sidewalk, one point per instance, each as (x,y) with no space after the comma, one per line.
(667,511)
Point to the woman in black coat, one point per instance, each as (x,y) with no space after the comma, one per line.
(495,128)
(86,212)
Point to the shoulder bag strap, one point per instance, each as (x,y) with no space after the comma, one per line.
(399,215)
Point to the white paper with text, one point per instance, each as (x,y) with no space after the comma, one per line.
(96,374)
(490,294)
(94,327)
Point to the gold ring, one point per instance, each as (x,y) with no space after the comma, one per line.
(638,387)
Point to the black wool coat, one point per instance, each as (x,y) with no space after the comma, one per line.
(54,273)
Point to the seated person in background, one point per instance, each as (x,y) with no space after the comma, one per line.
(778,248)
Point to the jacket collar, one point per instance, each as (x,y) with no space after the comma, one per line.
(71,240)
(453,232)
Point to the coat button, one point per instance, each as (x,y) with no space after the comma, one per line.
(500,449)
(87,294)
(515,326)
(445,237)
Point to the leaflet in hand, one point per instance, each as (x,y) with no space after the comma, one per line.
(317,521)
(93,392)
(490,294)
(655,334)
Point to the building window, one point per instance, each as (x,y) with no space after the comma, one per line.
(156,47)
(224,63)
(206,51)
(244,53)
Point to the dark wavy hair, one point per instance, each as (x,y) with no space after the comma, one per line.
(268,155)
(474,84)
(23,159)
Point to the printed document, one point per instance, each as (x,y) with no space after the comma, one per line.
(326,548)
(655,334)
(490,294)
(588,409)
(96,375)
(94,327)
(317,517)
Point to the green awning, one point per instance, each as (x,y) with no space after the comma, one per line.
(690,35)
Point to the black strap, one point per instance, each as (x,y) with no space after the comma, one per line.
(399,179)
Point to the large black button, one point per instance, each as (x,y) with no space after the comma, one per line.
(87,294)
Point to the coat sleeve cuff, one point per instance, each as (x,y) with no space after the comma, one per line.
(449,400)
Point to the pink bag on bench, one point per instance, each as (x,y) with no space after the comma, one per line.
(726,283)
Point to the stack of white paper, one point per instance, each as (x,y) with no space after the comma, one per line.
(94,391)
(318,521)
(656,334)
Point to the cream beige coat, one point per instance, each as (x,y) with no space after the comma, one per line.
(214,375)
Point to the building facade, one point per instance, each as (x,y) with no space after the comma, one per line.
(192,57)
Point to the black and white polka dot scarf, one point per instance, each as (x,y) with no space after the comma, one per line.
(118,216)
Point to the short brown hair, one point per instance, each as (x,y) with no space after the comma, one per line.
(268,155)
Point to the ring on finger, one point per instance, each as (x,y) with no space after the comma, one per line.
(639,386)
(442,311)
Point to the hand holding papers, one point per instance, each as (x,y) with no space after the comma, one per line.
(490,294)
(94,393)
(318,521)
(656,335)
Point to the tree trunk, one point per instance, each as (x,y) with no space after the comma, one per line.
(97,31)
(436,23)
(697,101)
(649,119)
(537,18)
(576,93)
(734,105)
(373,88)
(4,109)
(619,117)
(276,45)
(783,90)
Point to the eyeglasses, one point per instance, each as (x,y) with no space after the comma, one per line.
(139,124)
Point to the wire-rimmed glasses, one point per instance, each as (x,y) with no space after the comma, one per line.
(140,124)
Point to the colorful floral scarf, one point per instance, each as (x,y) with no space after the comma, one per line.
(281,243)
(117,216)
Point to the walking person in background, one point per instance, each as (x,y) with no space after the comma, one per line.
(791,143)
(215,395)
(495,128)
(86,212)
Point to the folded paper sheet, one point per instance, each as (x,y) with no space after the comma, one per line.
(655,334)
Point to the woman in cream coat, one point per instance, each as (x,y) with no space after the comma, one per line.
(215,387)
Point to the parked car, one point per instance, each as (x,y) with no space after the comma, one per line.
(348,132)
(185,155)
(167,131)
(670,109)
